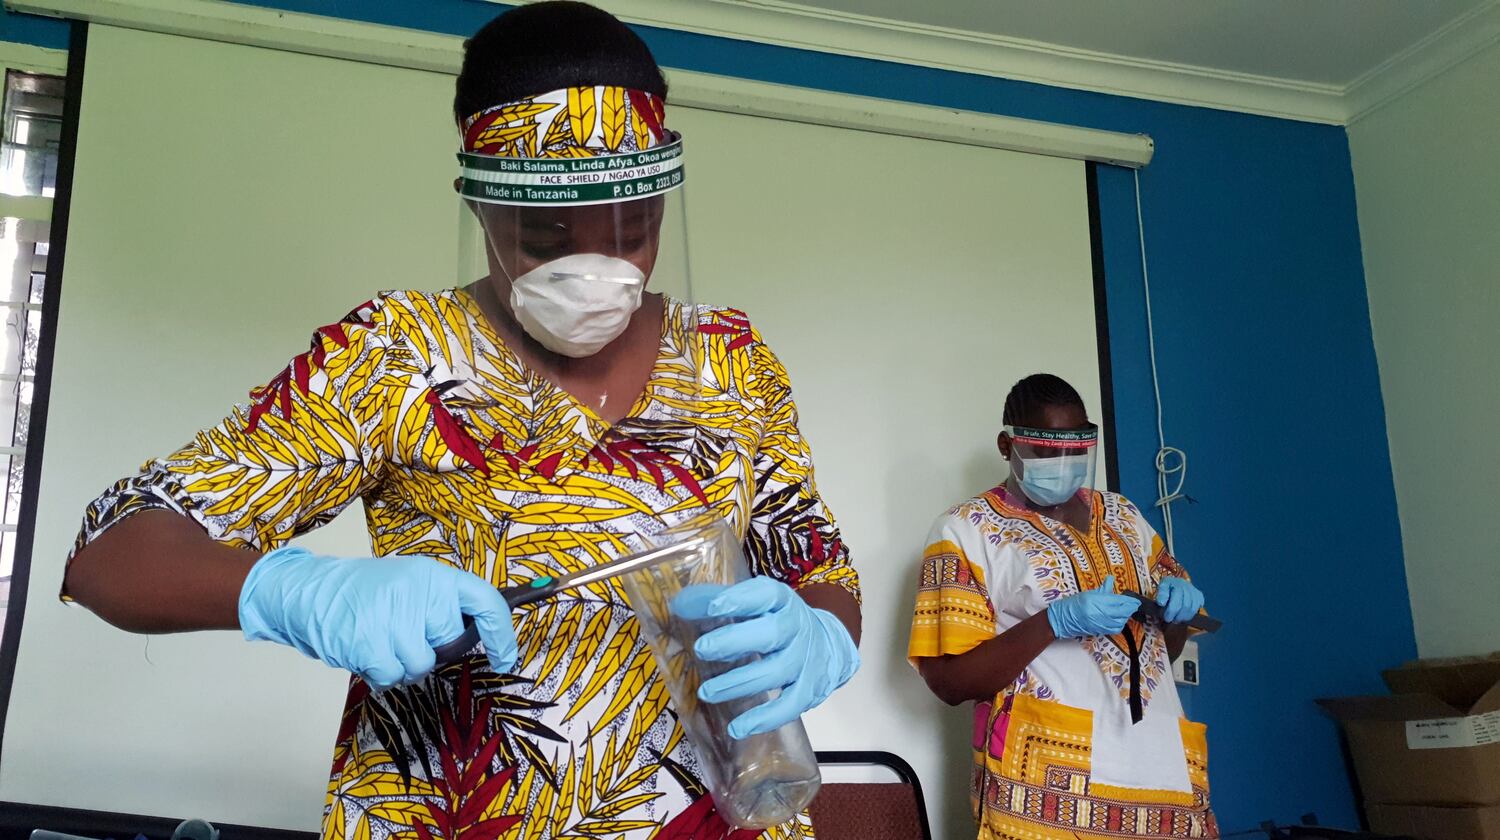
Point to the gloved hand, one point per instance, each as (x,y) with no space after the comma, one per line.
(377,617)
(805,652)
(1100,612)
(1180,600)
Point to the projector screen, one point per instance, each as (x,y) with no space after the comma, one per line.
(230,199)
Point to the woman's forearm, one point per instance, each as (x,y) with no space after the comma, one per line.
(837,600)
(158,572)
(983,672)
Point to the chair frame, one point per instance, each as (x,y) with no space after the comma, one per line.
(890,761)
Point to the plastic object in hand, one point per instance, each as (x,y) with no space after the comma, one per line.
(1099,612)
(377,617)
(1180,600)
(756,782)
(805,652)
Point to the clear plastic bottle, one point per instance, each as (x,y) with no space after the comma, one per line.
(761,781)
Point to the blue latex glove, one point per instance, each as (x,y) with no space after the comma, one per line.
(1100,612)
(805,652)
(377,617)
(1180,600)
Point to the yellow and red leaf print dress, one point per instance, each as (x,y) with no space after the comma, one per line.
(413,405)
(1056,754)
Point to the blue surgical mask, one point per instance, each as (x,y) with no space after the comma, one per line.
(1051,481)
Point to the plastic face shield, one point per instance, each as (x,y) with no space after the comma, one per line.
(1054,464)
(618,217)
(586,236)
(573,244)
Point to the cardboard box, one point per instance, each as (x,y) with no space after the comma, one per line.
(1435,740)
(1427,822)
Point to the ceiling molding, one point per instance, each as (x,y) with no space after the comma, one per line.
(260,26)
(358,41)
(822,30)
(1456,42)
(804,27)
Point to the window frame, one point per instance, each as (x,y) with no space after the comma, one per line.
(67,64)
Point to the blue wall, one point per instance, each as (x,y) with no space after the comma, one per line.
(29,29)
(1268,370)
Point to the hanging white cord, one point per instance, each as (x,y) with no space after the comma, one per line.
(1170,461)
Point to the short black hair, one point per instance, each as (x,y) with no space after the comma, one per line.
(1028,397)
(542,47)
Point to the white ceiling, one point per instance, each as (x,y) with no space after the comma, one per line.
(1332,42)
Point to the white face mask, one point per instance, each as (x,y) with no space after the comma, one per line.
(577,304)
(1051,481)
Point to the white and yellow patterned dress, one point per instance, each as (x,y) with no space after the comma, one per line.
(1056,755)
(414,406)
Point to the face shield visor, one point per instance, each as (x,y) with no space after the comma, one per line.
(572,216)
(574,212)
(1051,466)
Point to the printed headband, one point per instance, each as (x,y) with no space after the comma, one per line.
(583,145)
(569,123)
(1084,438)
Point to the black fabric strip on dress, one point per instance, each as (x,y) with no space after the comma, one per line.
(1136,707)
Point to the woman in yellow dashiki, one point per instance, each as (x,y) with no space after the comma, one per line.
(527,425)
(1078,730)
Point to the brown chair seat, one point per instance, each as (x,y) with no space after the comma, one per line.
(870,810)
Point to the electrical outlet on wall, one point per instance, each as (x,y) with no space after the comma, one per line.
(1185,669)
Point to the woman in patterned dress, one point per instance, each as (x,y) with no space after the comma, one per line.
(1078,731)
(530,424)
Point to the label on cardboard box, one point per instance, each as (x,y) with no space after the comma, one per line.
(1449,733)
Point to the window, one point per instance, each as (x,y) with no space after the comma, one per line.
(29,144)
